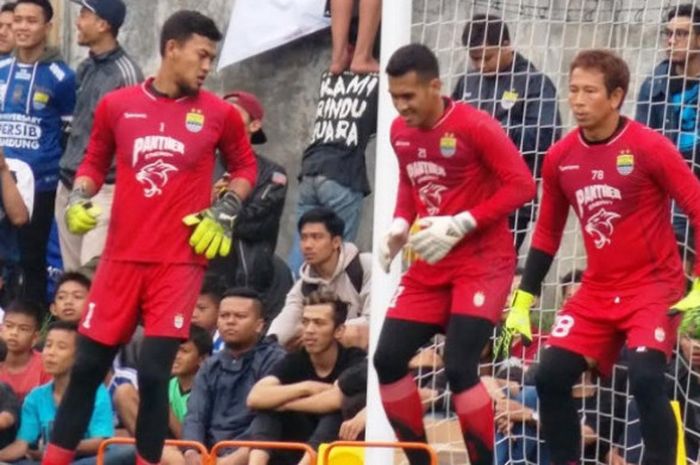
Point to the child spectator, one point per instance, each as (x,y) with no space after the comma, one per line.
(22,368)
(206,310)
(189,358)
(71,295)
(39,409)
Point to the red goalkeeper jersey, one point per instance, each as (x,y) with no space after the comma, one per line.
(621,192)
(165,153)
(465,162)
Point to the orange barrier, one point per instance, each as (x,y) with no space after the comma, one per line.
(299,446)
(170,442)
(326,453)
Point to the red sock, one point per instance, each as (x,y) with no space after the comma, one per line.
(403,407)
(474,409)
(141,461)
(54,455)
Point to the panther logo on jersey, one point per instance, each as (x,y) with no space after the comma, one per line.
(154,177)
(600,226)
(431,196)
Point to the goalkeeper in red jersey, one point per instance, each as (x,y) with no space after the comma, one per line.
(163,135)
(619,177)
(462,176)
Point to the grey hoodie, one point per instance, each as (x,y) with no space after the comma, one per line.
(286,324)
(96,76)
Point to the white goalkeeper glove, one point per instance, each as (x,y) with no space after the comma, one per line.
(392,243)
(440,234)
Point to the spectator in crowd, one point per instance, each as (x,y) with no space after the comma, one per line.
(570,283)
(333,172)
(668,99)
(296,401)
(107,67)
(71,297)
(253,263)
(329,264)
(9,415)
(39,409)
(359,57)
(190,357)
(16,204)
(22,368)
(7,37)
(38,100)
(507,86)
(217,406)
(206,310)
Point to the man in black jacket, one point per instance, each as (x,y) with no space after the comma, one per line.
(253,263)
(508,87)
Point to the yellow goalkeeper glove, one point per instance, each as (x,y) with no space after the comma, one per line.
(689,304)
(518,322)
(213,233)
(81,214)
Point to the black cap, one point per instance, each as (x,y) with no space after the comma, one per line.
(112,11)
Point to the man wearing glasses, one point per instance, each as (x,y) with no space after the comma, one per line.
(668,99)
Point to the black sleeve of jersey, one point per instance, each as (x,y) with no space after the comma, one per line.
(536,268)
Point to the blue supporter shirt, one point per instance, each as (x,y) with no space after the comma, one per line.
(36,100)
(39,412)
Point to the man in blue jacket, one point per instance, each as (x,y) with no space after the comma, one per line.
(508,87)
(668,99)
(37,97)
(216,410)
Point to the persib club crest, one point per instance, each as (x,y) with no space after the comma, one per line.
(194,121)
(508,99)
(448,145)
(625,162)
(40,100)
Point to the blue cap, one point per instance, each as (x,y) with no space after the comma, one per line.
(112,11)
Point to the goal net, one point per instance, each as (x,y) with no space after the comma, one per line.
(549,33)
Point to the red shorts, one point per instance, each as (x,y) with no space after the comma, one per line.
(163,295)
(430,294)
(596,325)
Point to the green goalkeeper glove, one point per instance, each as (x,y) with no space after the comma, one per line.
(690,304)
(518,322)
(214,226)
(81,214)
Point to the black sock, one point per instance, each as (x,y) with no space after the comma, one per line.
(155,362)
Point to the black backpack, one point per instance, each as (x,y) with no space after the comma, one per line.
(353,270)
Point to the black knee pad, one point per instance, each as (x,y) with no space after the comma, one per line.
(466,338)
(646,374)
(558,371)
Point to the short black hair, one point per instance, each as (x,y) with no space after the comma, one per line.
(26,307)
(8,7)
(330,219)
(484,31)
(74,276)
(183,24)
(45,5)
(201,339)
(213,287)
(686,10)
(414,57)
(321,297)
(62,326)
(247,293)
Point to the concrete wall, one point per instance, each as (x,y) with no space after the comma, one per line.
(547,31)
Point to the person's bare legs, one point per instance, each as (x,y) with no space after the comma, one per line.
(341,15)
(362,60)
